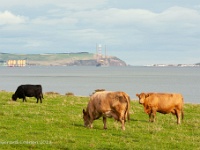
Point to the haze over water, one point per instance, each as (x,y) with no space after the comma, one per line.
(82,81)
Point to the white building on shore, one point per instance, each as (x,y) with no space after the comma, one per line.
(16,63)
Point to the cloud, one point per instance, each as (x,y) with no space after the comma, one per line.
(67,4)
(74,25)
(7,18)
(54,21)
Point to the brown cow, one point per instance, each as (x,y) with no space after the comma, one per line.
(107,104)
(163,103)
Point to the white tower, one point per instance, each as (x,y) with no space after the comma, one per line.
(99,52)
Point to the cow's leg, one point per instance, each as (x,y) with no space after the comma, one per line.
(127,116)
(149,112)
(122,120)
(104,122)
(178,116)
(119,117)
(123,123)
(24,99)
(150,116)
(182,114)
(114,115)
(153,115)
(39,98)
(91,124)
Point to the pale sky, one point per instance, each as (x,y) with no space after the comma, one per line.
(140,32)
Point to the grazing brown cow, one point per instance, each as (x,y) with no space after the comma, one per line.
(163,103)
(107,104)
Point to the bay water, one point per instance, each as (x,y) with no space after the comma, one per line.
(82,81)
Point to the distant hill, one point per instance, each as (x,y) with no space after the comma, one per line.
(62,59)
(197,64)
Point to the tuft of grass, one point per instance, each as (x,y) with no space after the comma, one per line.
(52,93)
(57,124)
(69,94)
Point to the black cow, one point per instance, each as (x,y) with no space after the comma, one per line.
(29,91)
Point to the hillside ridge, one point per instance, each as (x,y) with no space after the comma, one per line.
(62,59)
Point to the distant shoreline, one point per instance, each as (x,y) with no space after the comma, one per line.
(174,65)
(58,59)
(66,94)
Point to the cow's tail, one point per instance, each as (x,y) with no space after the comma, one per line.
(126,113)
(182,114)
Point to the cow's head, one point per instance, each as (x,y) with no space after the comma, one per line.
(14,97)
(86,118)
(142,97)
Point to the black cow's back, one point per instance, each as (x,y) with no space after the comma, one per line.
(32,90)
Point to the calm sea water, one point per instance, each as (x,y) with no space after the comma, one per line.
(83,81)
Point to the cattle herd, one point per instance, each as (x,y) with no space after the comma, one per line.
(115,104)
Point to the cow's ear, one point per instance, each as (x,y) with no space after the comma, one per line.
(137,95)
(147,95)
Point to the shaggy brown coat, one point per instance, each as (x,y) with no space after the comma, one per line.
(107,104)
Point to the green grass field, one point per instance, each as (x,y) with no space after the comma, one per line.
(57,124)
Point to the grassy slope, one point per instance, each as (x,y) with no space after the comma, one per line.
(47,57)
(57,124)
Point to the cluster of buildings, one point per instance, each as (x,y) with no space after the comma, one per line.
(14,63)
